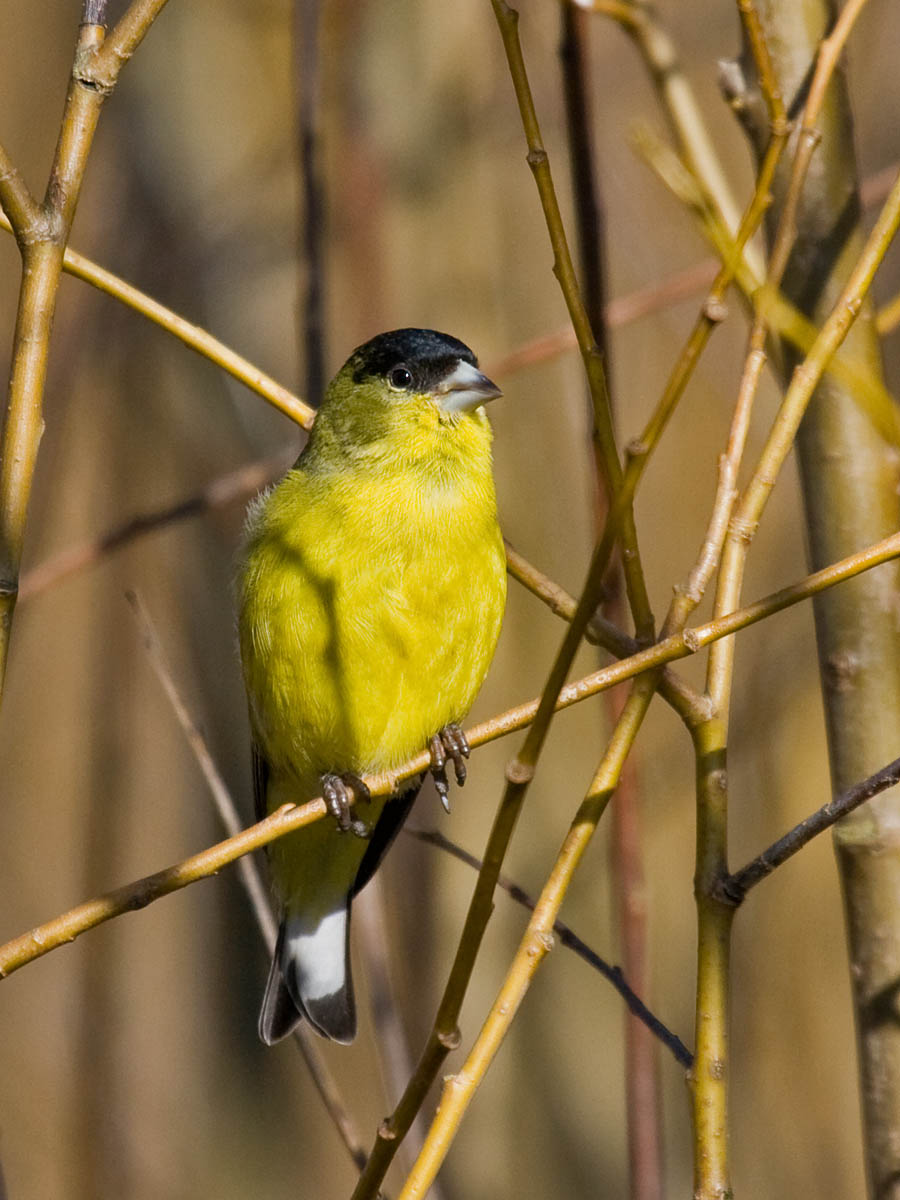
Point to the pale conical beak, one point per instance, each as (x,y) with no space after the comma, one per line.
(465,388)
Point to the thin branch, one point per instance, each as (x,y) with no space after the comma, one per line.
(564,270)
(643,1103)
(25,215)
(734,887)
(41,266)
(392,1046)
(537,941)
(191,335)
(307,71)
(248,873)
(133,896)
(783,318)
(101,70)
(42,261)
(573,942)
(590,215)
(640,20)
(778,444)
(226,489)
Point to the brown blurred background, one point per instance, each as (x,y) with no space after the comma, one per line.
(130,1062)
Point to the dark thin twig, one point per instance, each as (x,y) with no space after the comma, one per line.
(613,974)
(642,1085)
(226,489)
(733,888)
(311,242)
(590,217)
(94,12)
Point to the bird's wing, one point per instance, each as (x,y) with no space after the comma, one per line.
(386,829)
(260,782)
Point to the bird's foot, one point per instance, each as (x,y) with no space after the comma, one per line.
(448,744)
(338,792)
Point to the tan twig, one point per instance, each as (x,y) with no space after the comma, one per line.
(66,927)
(226,489)
(783,318)
(641,21)
(248,873)
(25,216)
(101,70)
(311,247)
(573,942)
(42,255)
(781,437)
(190,335)
(459,1088)
(714,919)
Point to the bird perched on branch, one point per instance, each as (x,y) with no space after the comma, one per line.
(371,592)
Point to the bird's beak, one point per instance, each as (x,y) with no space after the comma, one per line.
(465,388)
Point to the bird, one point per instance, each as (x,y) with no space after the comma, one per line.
(371,589)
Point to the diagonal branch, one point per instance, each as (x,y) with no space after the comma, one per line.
(573,942)
(42,259)
(25,216)
(101,70)
(734,887)
(248,873)
(131,897)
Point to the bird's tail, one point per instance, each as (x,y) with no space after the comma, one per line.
(310,977)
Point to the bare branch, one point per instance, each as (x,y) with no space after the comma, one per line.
(131,897)
(568,938)
(236,485)
(248,872)
(24,214)
(734,887)
(101,69)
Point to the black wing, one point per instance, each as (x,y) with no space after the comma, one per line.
(386,829)
(260,782)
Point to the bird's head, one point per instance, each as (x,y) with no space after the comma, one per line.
(410,393)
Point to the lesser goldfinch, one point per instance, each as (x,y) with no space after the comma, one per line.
(371,592)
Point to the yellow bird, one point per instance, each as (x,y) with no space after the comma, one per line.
(371,592)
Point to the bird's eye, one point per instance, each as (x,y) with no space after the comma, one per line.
(400,378)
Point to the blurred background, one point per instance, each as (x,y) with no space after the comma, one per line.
(130,1060)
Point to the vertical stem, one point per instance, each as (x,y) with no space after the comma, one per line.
(642,1099)
(709,1081)
(850,481)
(41,269)
(590,217)
(307,59)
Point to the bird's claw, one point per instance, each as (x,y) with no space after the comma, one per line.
(338,791)
(448,744)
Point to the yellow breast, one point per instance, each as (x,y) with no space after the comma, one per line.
(370,605)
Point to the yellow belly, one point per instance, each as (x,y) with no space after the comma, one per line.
(369,616)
